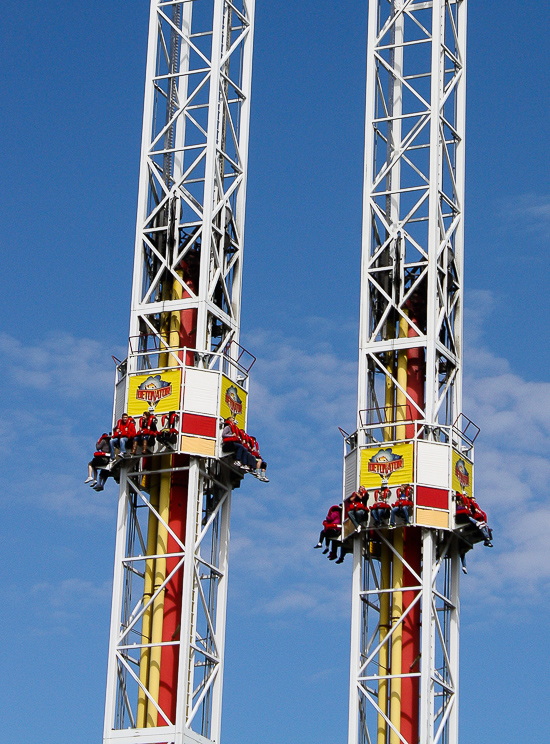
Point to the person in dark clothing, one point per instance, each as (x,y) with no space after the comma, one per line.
(403,504)
(356,507)
(380,510)
(146,434)
(100,458)
(231,443)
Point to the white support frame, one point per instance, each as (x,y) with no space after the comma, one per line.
(437,591)
(413,199)
(202,562)
(188,257)
(192,192)
(411,299)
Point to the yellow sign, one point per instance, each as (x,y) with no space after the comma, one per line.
(233,401)
(392,464)
(463,474)
(158,390)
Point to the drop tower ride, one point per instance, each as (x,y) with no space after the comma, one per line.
(410,428)
(166,649)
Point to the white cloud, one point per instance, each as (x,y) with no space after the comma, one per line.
(533,208)
(61,605)
(299,397)
(71,593)
(512,471)
(59,365)
(60,391)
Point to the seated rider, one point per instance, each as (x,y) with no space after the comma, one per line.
(168,435)
(380,510)
(332,527)
(260,466)
(231,442)
(124,434)
(331,533)
(462,508)
(356,507)
(468,509)
(113,472)
(100,458)
(146,434)
(248,461)
(479,518)
(402,505)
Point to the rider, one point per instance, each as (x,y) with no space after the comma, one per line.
(146,434)
(402,505)
(357,506)
(100,458)
(332,529)
(380,510)
(231,442)
(124,433)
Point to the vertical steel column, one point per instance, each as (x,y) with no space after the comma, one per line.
(426,677)
(454,640)
(356,640)
(410,355)
(165,667)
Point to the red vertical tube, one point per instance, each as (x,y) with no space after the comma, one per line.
(412,552)
(173,595)
(416,374)
(188,326)
(169,666)
(410,653)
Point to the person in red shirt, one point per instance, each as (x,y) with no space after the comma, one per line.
(100,458)
(356,507)
(332,527)
(402,505)
(468,510)
(479,519)
(146,434)
(261,464)
(124,434)
(380,510)
(231,443)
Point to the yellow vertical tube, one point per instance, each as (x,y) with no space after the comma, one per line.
(384,654)
(161,548)
(147,615)
(397,637)
(400,397)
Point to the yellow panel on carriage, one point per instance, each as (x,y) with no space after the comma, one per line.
(159,390)
(392,464)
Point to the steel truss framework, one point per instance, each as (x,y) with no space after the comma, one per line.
(186,293)
(191,199)
(195,561)
(410,355)
(436,590)
(412,265)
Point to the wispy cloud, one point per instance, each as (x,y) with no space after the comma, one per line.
(299,396)
(529,212)
(60,393)
(60,605)
(60,365)
(512,472)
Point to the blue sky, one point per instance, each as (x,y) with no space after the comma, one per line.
(72,89)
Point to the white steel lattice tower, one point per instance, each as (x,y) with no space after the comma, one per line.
(410,427)
(166,651)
